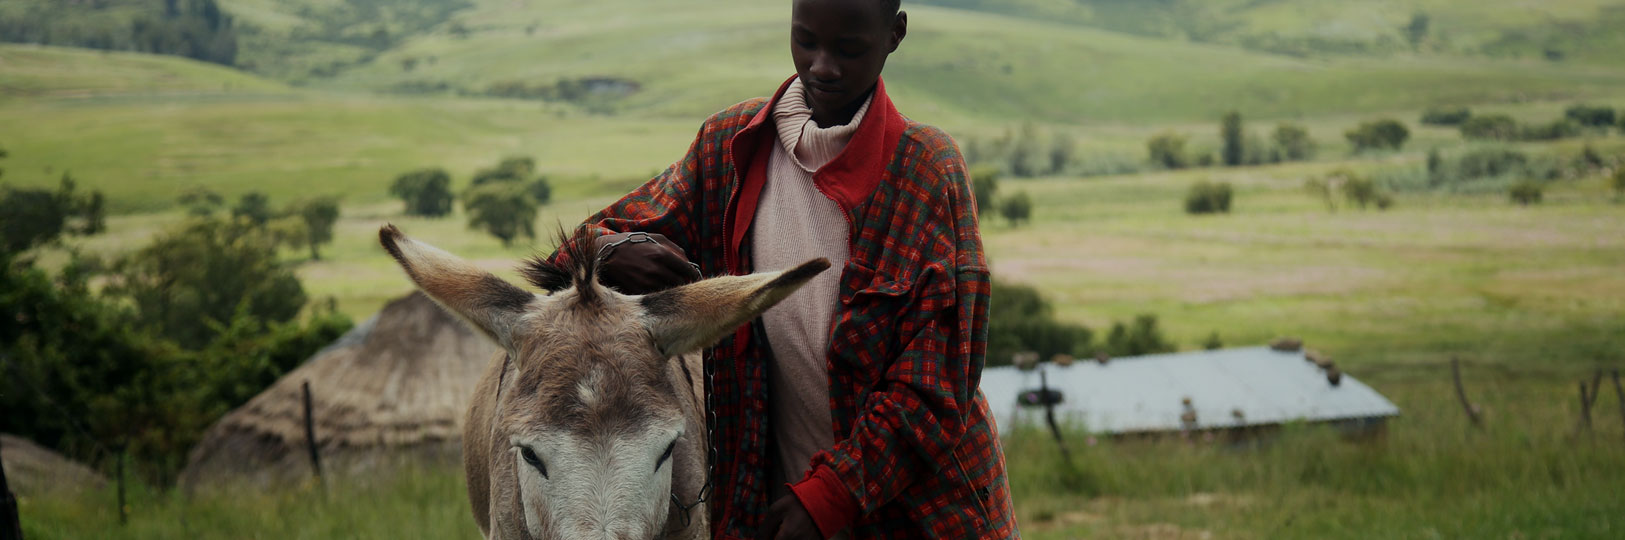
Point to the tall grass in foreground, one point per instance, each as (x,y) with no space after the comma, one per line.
(1526,474)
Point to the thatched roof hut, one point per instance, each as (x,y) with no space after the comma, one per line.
(394,389)
(33,470)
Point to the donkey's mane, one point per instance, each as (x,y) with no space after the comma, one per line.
(572,265)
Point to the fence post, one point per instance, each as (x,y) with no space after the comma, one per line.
(310,434)
(1461,393)
(1049,414)
(11,526)
(123,511)
(1619,393)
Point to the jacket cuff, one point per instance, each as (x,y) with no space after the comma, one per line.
(826,500)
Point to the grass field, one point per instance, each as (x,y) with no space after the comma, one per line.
(1531,298)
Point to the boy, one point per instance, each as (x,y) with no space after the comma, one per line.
(851,409)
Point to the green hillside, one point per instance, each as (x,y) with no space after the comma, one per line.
(31,71)
(957,67)
(1588,31)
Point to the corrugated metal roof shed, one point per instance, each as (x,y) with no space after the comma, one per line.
(1147,393)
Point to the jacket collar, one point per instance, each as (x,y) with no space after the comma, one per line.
(853,175)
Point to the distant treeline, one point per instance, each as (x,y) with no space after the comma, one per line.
(191,28)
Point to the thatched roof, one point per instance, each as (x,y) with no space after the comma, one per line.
(33,470)
(396,386)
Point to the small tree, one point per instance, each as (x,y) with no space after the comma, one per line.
(510,169)
(541,190)
(1379,134)
(1138,338)
(1212,343)
(985,183)
(319,215)
(1417,30)
(35,217)
(1294,142)
(254,207)
(1231,133)
(196,277)
(1023,151)
(1168,150)
(503,209)
(1525,193)
(1017,208)
(426,192)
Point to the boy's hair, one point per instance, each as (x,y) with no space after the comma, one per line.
(891,6)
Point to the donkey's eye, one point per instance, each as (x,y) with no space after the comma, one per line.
(533,459)
(665,456)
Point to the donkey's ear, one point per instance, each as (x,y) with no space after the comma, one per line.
(694,316)
(489,303)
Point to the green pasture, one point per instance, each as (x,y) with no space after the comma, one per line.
(1527,474)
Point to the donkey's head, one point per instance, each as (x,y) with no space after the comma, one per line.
(589,420)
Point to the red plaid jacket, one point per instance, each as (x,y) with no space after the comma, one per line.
(916,455)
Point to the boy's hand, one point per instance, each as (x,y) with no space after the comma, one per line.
(788,520)
(642,263)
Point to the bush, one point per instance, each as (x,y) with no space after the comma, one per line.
(1446,115)
(1140,338)
(1590,115)
(1020,319)
(1618,183)
(1168,151)
(984,181)
(1377,135)
(1294,142)
(198,276)
(1525,193)
(426,192)
(1017,208)
(503,209)
(1496,127)
(1208,198)
(1488,162)
(319,215)
(35,217)
(1558,129)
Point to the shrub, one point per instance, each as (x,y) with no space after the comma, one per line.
(1446,115)
(426,192)
(1360,191)
(1020,319)
(1557,129)
(1590,115)
(1377,135)
(1017,208)
(1141,337)
(319,214)
(984,182)
(1525,193)
(503,209)
(1168,150)
(34,217)
(1489,162)
(1618,183)
(1294,142)
(1497,127)
(1208,198)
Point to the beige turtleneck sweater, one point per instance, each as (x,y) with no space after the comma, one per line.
(795,223)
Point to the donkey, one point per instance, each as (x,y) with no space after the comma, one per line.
(591,425)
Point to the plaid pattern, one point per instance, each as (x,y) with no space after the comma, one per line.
(917,449)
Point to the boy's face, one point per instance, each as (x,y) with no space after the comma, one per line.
(839,47)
